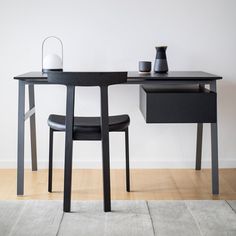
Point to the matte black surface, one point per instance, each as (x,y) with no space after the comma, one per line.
(181,106)
(105,149)
(89,124)
(145,66)
(127,159)
(135,78)
(199,147)
(68,147)
(50,163)
(87,128)
(198,164)
(161,65)
(161,52)
(87,78)
(51,70)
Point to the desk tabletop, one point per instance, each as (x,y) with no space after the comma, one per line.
(134,77)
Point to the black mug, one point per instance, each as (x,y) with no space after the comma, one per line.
(145,66)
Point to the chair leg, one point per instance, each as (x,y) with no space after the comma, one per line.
(68,148)
(106,189)
(67,176)
(105,150)
(50,165)
(127,160)
(106,175)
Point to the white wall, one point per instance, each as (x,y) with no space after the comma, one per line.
(115,35)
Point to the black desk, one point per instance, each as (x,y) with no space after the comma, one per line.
(174,78)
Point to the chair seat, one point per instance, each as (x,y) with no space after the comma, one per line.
(89,124)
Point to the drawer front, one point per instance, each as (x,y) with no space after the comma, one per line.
(178,107)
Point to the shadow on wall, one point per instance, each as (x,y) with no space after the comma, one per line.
(227,118)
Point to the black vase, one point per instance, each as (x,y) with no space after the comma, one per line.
(161,65)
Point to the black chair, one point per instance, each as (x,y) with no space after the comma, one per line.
(87,128)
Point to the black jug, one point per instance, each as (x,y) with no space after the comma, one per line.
(161,65)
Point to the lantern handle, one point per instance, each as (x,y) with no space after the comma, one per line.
(55,37)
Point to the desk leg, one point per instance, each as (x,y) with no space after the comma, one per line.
(21,138)
(199,146)
(214,151)
(198,165)
(214,159)
(32,129)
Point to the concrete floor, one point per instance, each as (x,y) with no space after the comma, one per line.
(131,218)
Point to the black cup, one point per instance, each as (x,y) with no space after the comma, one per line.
(145,66)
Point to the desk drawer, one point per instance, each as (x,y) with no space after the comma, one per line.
(177,105)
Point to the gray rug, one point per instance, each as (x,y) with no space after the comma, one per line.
(131,218)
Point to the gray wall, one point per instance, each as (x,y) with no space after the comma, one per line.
(115,35)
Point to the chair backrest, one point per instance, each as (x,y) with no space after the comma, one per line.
(101,79)
(87,78)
